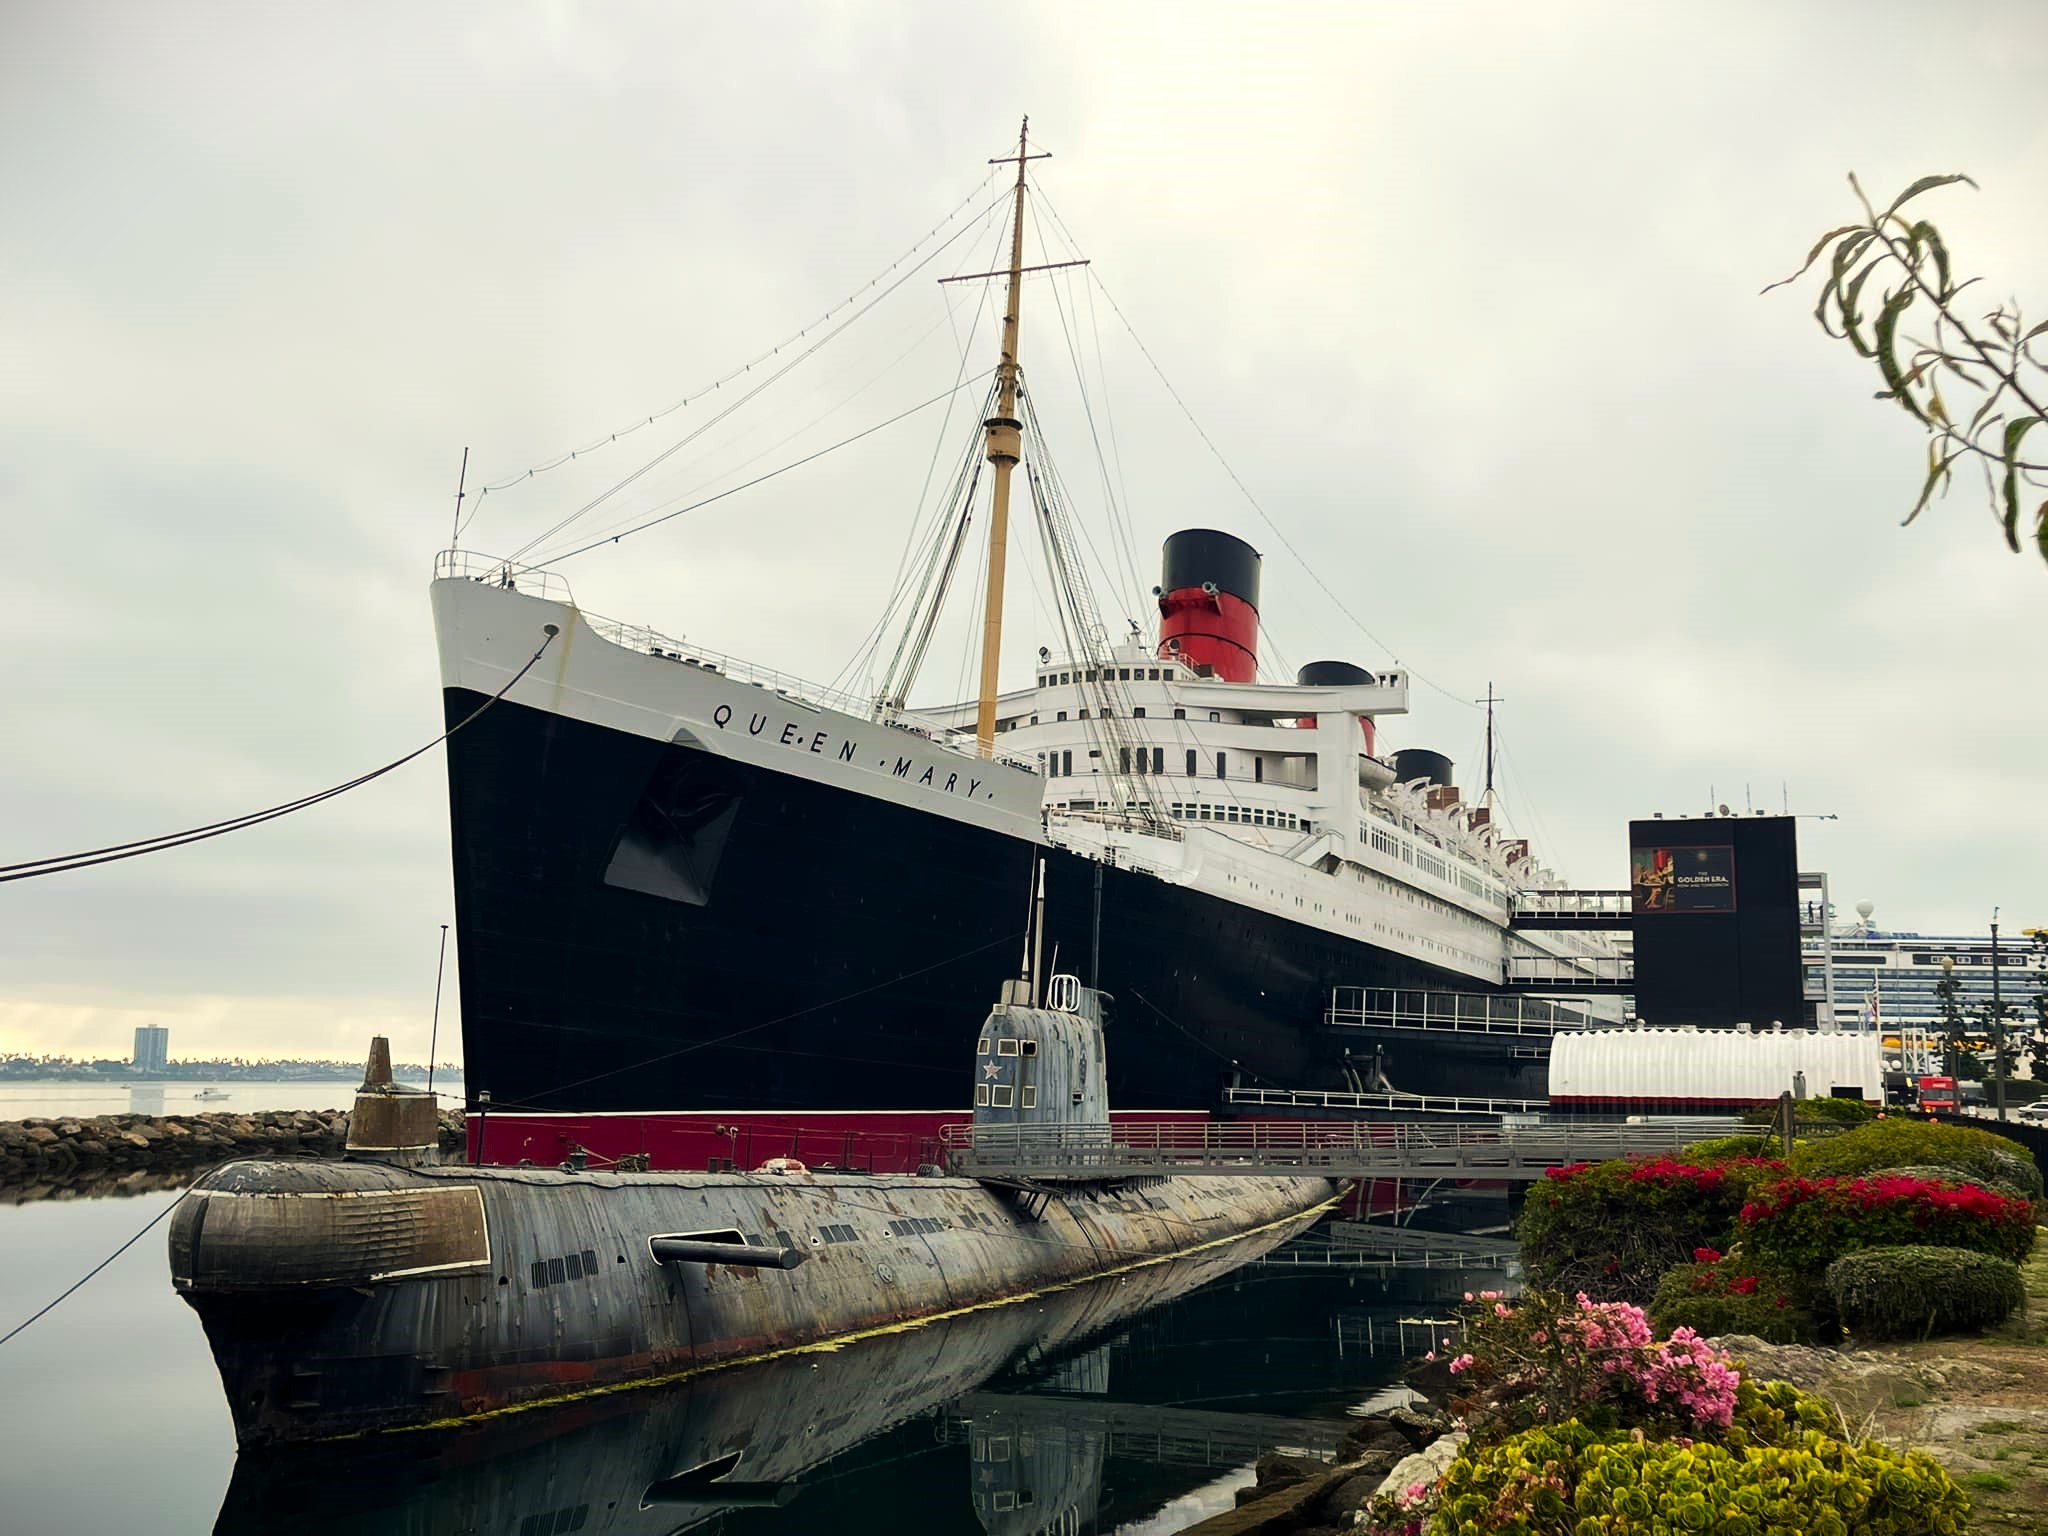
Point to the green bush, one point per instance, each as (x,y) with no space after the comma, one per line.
(1897,1143)
(1891,1293)
(1612,1229)
(1731,1297)
(1721,1149)
(1799,1226)
(1569,1480)
(1838,1111)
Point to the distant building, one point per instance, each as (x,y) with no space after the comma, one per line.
(1888,981)
(152,1048)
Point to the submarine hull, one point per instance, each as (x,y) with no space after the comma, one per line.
(344,1298)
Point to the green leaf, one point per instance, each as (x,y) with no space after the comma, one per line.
(2015,434)
(2041,530)
(1812,256)
(1849,315)
(1924,231)
(1852,246)
(1937,472)
(1895,304)
(1924,184)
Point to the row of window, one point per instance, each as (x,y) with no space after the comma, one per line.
(1060,764)
(1215,718)
(911,1226)
(998,1096)
(839,1232)
(1007,1047)
(1245,815)
(1107,675)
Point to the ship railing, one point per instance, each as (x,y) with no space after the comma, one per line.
(474,565)
(647,640)
(1484,1013)
(1393,1103)
(1324,1148)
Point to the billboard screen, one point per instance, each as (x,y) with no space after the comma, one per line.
(1682,879)
(1714,907)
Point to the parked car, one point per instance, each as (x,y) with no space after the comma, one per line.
(2035,1113)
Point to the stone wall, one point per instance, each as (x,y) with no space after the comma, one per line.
(40,1157)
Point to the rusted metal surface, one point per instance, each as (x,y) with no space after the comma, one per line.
(649,1463)
(571,1300)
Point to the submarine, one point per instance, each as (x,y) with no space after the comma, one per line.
(785,1435)
(389,1291)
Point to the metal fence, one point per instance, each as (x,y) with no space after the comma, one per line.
(1337,1149)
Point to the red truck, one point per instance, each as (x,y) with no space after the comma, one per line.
(1938,1093)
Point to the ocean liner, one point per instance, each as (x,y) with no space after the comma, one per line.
(688,885)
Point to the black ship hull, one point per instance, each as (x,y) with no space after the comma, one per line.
(645,926)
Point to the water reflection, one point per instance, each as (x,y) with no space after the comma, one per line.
(1066,1414)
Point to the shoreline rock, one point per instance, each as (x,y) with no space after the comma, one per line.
(40,1158)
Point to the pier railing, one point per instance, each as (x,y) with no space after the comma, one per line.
(1336,1149)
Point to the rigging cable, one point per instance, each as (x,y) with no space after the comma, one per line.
(783,372)
(69,1290)
(592,447)
(1121,546)
(809,458)
(827,414)
(1235,479)
(59,864)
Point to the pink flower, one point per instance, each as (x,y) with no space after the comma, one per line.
(1540,1336)
(1462,1364)
(1468,1296)
(1500,1309)
(1430,1356)
(1414,1493)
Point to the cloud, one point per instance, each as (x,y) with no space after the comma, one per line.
(1467,296)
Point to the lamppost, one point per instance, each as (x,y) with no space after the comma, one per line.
(1997,1020)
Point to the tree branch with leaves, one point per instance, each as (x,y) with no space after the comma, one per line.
(1993,364)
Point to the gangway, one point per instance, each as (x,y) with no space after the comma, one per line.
(1389,1103)
(1571,975)
(1333,1149)
(1530,1019)
(1570,910)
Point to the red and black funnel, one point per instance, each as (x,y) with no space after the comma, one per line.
(1209,603)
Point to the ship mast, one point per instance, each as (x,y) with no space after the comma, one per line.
(1005,447)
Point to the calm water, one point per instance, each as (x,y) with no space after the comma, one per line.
(112,1419)
(47,1100)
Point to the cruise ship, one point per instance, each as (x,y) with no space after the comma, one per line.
(1892,982)
(686,884)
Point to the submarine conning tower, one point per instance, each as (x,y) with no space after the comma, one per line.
(1209,603)
(1043,1065)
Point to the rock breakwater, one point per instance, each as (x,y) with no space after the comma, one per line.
(41,1157)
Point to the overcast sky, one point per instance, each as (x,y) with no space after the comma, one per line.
(1466,294)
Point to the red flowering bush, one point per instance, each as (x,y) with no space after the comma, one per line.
(1803,1225)
(1611,1229)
